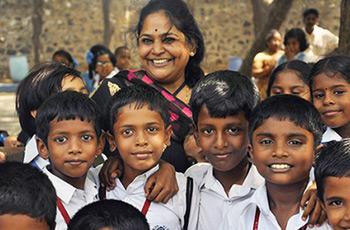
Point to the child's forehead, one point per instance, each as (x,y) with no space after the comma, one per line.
(142,111)
(75,122)
(204,113)
(280,125)
(330,77)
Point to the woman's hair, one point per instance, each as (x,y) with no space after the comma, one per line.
(92,55)
(301,69)
(67,56)
(332,65)
(180,16)
(298,34)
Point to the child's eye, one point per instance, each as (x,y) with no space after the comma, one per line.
(152,129)
(127,132)
(146,41)
(60,140)
(168,40)
(338,92)
(276,92)
(233,131)
(318,95)
(336,203)
(295,142)
(207,131)
(86,137)
(265,141)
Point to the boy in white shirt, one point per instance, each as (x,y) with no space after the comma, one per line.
(69,135)
(333,182)
(139,128)
(221,104)
(284,139)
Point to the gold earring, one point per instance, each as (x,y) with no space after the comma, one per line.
(164,147)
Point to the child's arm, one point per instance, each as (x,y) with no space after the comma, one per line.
(312,207)
(160,187)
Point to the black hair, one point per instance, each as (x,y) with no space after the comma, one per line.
(42,81)
(298,34)
(288,107)
(141,96)
(96,51)
(331,66)
(332,161)
(119,50)
(311,11)
(67,56)
(27,191)
(68,105)
(181,17)
(302,70)
(224,93)
(114,214)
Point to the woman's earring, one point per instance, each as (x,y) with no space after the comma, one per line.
(192,53)
(164,147)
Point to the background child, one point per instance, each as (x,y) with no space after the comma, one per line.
(290,78)
(221,104)
(330,84)
(123,58)
(332,173)
(108,214)
(27,198)
(43,81)
(284,140)
(63,57)
(69,134)
(139,127)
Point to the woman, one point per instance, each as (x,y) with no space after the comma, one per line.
(171,47)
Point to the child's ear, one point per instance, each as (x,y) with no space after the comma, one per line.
(196,135)
(250,152)
(100,144)
(317,151)
(42,148)
(111,141)
(168,134)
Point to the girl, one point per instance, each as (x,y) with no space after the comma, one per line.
(63,57)
(290,78)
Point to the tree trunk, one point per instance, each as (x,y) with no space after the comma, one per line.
(37,23)
(106,22)
(277,14)
(344,30)
(260,10)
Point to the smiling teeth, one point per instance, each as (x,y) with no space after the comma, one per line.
(280,166)
(160,61)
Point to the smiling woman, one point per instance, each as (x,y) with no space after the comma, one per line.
(171,47)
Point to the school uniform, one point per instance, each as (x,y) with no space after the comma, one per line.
(71,198)
(31,155)
(214,202)
(255,214)
(330,135)
(169,216)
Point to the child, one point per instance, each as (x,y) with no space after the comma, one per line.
(139,128)
(290,78)
(330,84)
(333,182)
(43,81)
(284,140)
(108,214)
(123,58)
(221,104)
(69,135)
(27,198)
(65,58)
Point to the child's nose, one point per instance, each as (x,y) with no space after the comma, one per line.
(220,142)
(328,99)
(141,139)
(279,150)
(75,147)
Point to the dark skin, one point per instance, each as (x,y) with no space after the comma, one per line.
(160,187)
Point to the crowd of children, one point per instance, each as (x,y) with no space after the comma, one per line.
(278,163)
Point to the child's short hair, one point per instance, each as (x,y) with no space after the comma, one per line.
(309,11)
(27,191)
(42,81)
(330,66)
(332,161)
(299,35)
(68,105)
(108,213)
(288,107)
(301,68)
(224,93)
(141,96)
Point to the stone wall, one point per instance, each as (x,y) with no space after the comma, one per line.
(77,25)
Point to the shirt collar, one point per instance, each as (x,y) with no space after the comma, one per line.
(65,191)
(330,135)
(30,151)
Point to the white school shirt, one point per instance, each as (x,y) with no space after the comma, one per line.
(330,135)
(242,216)
(31,155)
(72,198)
(214,202)
(169,216)
(110,75)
